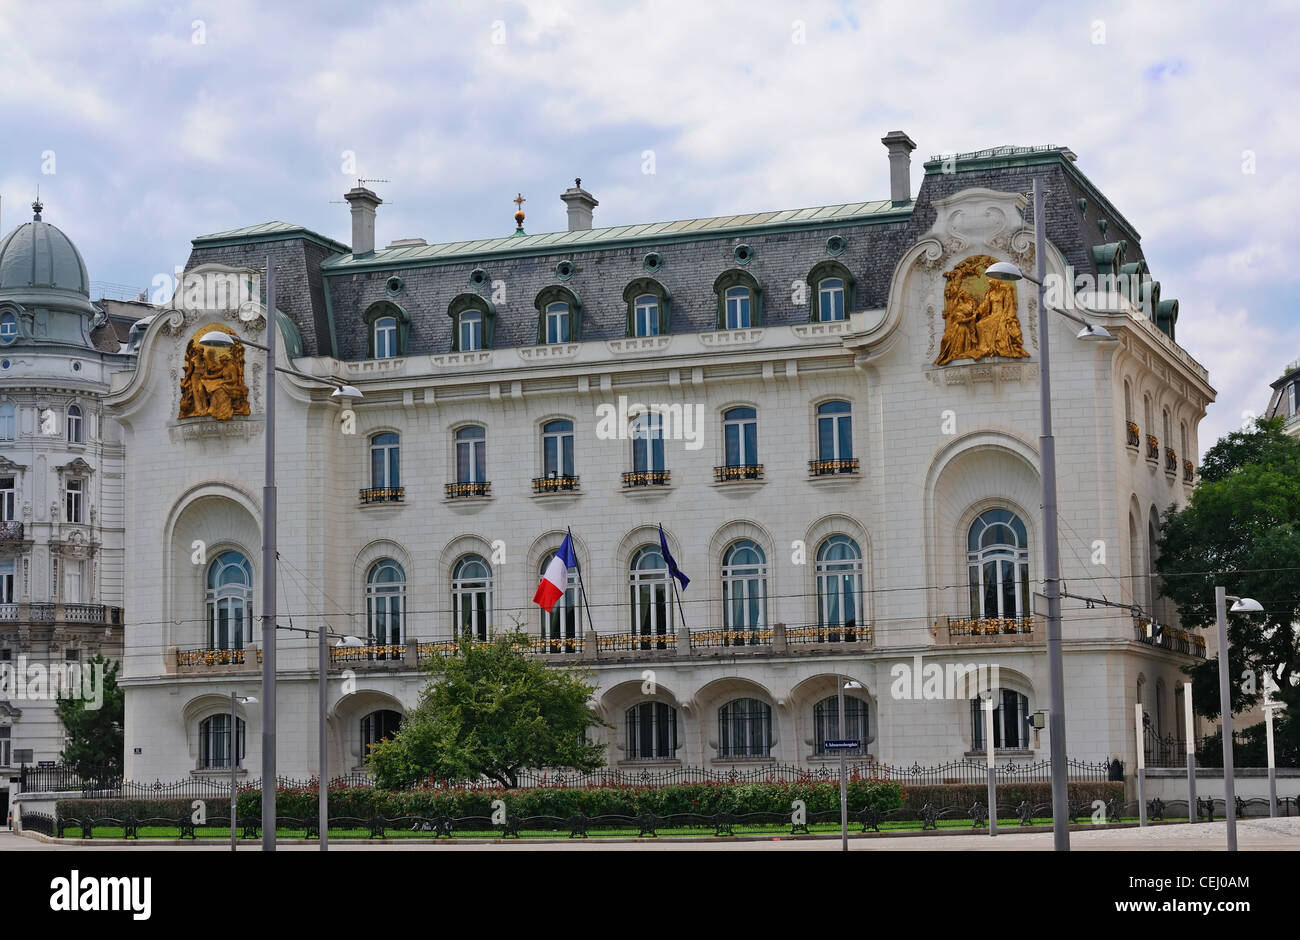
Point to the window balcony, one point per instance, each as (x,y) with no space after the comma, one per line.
(554,645)
(839,633)
(554,484)
(210,657)
(1153,448)
(11,531)
(1174,640)
(821,468)
(1171,462)
(1189,472)
(625,642)
(461,490)
(637,478)
(989,626)
(744,471)
(705,639)
(383,494)
(1134,437)
(59,612)
(372,653)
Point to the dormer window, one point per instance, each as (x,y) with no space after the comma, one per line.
(471,330)
(388,327)
(647,307)
(832,289)
(830,299)
(739,308)
(8,328)
(385,338)
(646,315)
(559,316)
(472,321)
(739,300)
(557,323)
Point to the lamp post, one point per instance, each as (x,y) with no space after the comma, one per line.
(1005,271)
(1269,708)
(1190,730)
(842,683)
(234,755)
(219,340)
(988,705)
(1239,605)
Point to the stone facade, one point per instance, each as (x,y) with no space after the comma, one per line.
(936,450)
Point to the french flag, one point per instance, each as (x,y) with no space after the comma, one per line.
(556,578)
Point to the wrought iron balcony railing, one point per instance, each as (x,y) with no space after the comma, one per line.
(744,471)
(383,494)
(646,478)
(820,468)
(1153,447)
(1189,471)
(554,484)
(459,490)
(1134,437)
(842,633)
(623,642)
(761,636)
(989,626)
(210,657)
(11,531)
(373,652)
(1169,638)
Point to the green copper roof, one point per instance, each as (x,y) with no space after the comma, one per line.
(267,232)
(621,235)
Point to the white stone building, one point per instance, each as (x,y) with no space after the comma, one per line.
(841,494)
(61,482)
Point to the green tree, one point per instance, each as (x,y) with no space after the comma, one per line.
(93,719)
(491,710)
(1241,529)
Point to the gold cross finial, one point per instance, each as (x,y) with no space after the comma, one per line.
(519,200)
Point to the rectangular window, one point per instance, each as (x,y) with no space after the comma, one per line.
(557,449)
(8,423)
(557,323)
(8,498)
(6,754)
(73,579)
(647,316)
(742,442)
(471,332)
(7,583)
(75,494)
(385,338)
(738,317)
(648,444)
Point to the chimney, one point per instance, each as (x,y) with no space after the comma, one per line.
(580,203)
(363,203)
(900,148)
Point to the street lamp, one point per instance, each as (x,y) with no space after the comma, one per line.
(1240,605)
(841,684)
(234,755)
(1005,271)
(218,339)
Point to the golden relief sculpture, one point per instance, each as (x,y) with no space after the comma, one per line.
(980,315)
(213,384)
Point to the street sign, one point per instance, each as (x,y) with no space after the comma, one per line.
(844,745)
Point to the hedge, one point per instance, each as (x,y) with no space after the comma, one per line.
(965,795)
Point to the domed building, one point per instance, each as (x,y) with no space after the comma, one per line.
(61,480)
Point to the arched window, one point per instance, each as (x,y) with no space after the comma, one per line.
(378,726)
(1160,708)
(76,435)
(8,422)
(1168,428)
(826,724)
(385,462)
(834,431)
(744,592)
(830,299)
(1157,603)
(1135,565)
(1128,401)
(214,741)
(839,589)
(648,443)
(385,337)
(8,328)
(651,596)
(739,300)
(470,331)
(385,603)
(557,449)
(471,597)
(1150,422)
(740,437)
(745,728)
(1010,721)
(651,731)
(230,602)
(471,454)
(563,625)
(998,564)
(473,320)
(557,322)
(647,307)
(832,289)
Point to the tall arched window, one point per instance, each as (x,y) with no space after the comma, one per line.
(745,728)
(839,589)
(834,431)
(471,454)
(998,565)
(826,724)
(230,601)
(1010,721)
(378,726)
(744,592)
(1128,401)
(471,596)
(651,731)
(563,625)
(648,443)
(76,432)
(385,603)
(557,449)
(385,461)
(8,422)
(740,437)
(651,596)
(214,741)
(1136,580)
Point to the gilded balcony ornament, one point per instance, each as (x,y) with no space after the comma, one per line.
(980,315)
(213,384)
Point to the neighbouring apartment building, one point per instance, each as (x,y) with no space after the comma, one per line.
(62,468)
(832,412)
(1284,402)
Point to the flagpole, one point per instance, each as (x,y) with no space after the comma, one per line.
(582,589)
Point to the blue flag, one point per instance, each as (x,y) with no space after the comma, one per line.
(672,562)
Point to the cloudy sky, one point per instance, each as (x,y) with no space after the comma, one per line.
(145,124)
